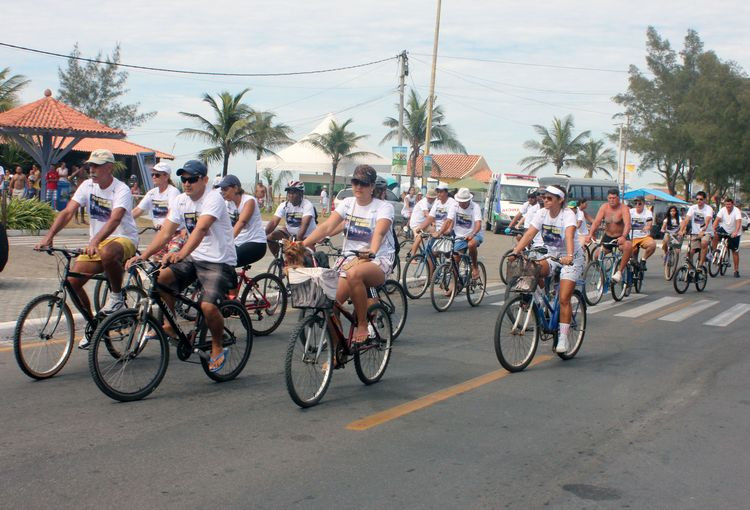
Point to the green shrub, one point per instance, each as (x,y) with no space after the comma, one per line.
(29,215)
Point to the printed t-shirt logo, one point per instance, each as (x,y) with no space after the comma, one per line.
(159,208)
(700,219)
(358,229)
(463,220)
(100,209)
(293,219)
(552,236)
(234,216)
(191,219)
(441,213)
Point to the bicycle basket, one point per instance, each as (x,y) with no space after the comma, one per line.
(523,275)
(442,245)
(312,287)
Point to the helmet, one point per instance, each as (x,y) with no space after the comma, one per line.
(380,182)
(295,186)
(531,192)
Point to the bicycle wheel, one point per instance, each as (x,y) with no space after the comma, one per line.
(395,273)
(101,291)
(593,283)
(43,337)
(182,309)
(669,264)
(619,289)
(238,337)
(141,359)
(724,262)
(415,276)
(504,266)
(701,279)
(275,268)
(308,365)
(516,333)
(714,266)
(371,358)
(477,287)
(638,280)
(393,297)
(577,325)
(443,287)
(133,293)
(680,280)
(265,301)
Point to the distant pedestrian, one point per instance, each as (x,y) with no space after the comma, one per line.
(324,200)
(260,196)
(135,189)
(18,183)
(217,181)
(52,178)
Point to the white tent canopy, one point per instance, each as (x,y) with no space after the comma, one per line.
(303,158)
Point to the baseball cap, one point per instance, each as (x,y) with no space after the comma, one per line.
(441,187)
(572,203)
(100,157)
(230,180)
(431,193)
(163,168)
(193,167)
(640,198)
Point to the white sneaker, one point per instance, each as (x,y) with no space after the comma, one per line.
(84,343)
(562,344)
(617,277)
(115,302)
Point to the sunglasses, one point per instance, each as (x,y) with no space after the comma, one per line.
(154,176)
(192,179)
(700,199)
(547,197)
(638,202)
(357,182)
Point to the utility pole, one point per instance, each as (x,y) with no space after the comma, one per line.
(403,59)
(625,152)
(620,169)
(431,99)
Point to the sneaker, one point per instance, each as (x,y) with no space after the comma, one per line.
(643,266)
(617,277)
(736,274)
(84,343)
(562,344)
(114,303)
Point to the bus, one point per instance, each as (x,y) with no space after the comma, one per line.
(506,193)
(593,190)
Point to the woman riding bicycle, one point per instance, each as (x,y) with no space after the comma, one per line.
(557,225)
(244,212)
(367,223)
(670,226)
(156,203)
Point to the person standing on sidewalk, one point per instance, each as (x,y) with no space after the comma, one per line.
(52,178)
(324,200)
(18,183)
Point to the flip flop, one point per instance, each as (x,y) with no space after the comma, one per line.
(222,357)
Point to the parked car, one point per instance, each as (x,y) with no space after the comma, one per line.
(389,195)
(745,221)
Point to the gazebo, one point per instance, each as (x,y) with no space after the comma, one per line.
(48,129)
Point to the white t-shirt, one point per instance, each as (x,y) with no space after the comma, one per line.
(465,219)
(527,211)
(728,221)
(63,173)
(294,214)
(420,213)
(553,230)
(443,211)
(584,228)
(324,197)
(218,244)
(101,202)
(156,203)
(359,225)
(217,180)
(253,231)
(700,218)
(638,222)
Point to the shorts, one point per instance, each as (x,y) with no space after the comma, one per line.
(51,195)
(128,249)
(733,243)
(572,273)
(216,279)
(462,244)
(385,264)
(695,243)
(18,193)
(247,253)
(173,246)
(641,240)
(607,239)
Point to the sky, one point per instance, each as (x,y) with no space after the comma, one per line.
(491,105)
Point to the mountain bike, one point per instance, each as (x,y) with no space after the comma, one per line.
(632,277)
(417,270)
(672,256)
(720,257)
(597,275)
(451,276)
(688,273)
(264,296)
(534,314)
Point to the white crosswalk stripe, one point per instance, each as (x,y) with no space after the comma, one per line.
(724,319)
(607,305)
(689,311)
(649,307)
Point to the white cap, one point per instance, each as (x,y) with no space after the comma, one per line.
(554,190)
(162,168)
(101,156)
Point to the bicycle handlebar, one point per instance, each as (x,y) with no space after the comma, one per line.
(70,253)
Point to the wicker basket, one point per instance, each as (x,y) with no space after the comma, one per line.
(523,275)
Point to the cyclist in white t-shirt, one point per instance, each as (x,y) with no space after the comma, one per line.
(700,216)
(208,255)
(728,223)
(442,215)
(367,223)
(527,210)
(641,221)
(156,203)
(468,227)
(244,211)
(419,215)
(298,213)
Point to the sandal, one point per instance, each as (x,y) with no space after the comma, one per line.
(222,357)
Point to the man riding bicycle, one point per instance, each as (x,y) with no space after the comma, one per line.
(113,234)
(208,255)
(298,213)
(418,216)
(616,217)
(468,227)
(442,215)
(728,223)
(641,221)
(699,215)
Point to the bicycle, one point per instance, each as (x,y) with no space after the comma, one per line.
(129,354)
(517,234)
(418,269)
(688,273)
(597,276)
(311,357)
(720,257)
(265,299)
(451,277)
(44,334)
(534,314)
(671,256)
(632,278)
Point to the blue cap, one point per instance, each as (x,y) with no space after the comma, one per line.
(230,180)
(193,167)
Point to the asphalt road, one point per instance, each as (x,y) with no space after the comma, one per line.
(653,413)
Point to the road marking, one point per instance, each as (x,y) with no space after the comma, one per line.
(738,284)
(606,305)
(724,319)
(649,307)
(433,398)
(499,303)
(496,292)
(689,311)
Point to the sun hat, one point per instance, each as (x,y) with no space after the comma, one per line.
(431,193)
(100,157)
(162,168)
(463,195)
(193,167)
(230,180)
(554,190)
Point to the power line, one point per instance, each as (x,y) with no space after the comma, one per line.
(201,73)
(529,64)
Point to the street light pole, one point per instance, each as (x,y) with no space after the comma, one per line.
(430,100)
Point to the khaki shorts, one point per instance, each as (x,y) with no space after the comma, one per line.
(128,249)
(641,240)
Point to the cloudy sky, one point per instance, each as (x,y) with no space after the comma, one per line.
(502,66)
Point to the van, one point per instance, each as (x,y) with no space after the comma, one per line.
(593,190)
(506,193)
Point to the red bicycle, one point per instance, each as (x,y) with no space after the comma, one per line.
(265,299)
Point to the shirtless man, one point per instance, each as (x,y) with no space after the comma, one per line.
(18,183)
(616,219)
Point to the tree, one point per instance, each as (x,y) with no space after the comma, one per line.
(229,134)
(96,89)
(558,146)
(10,86)
(266,136)
(338,144)
(11,155)
(442,135)
(593,159)
(274,185)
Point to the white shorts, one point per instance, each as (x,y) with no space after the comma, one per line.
(573,272)
(384,264)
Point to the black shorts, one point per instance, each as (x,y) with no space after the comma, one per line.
(733,243)
(607,239)
(248,253)
(215,279)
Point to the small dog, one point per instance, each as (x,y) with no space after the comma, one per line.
(295,255)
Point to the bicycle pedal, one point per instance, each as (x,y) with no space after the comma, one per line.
(203,354)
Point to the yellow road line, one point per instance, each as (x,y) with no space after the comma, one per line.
(35,344)
(433,398)
(738,284)
(664,311)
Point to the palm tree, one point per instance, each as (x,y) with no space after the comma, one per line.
(266,136)
(10,86)
(229,134)
(593,159)
(274,185)
(415,130)
(558,146)
(338,144)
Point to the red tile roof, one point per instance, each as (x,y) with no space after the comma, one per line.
(484,175)
(50,115)
(118,147)
(452,166)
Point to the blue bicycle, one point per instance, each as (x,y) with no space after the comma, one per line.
(534,314)
(417,271)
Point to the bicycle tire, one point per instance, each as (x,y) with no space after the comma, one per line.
(191,292)
(618,289)
(714,266)
(443,279)
(371,358)
(577,325)
(593,283)
(477,288)
(504,266)
(724,262)
(415,276)
(680,280)
(506,325)
(261,307)
(701,279)
(395,273)
(32,350)
(638,280)
(275,268)
(102,363)
(393,297)
(101,291)
(240,342)
(312,369)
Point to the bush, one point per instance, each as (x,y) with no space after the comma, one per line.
(29,215)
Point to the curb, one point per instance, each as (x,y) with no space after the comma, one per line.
(8,328)
(65,232)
